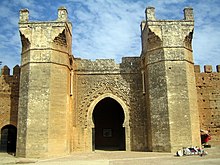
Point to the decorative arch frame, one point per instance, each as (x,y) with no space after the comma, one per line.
(125,124)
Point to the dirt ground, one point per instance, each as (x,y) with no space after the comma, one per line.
(120,158)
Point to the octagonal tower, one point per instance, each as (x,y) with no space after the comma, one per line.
(168,72)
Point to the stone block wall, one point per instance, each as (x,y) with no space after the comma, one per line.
(123,82)
(44,103)
(9,95)
(53,97)
(208,91)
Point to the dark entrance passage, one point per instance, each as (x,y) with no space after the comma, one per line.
(108,117)
(8,139)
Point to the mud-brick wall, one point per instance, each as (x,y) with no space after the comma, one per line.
(208,90)
(9,89)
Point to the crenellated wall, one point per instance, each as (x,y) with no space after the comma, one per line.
(208,92)
(9,95)
(51,97)
(207,84)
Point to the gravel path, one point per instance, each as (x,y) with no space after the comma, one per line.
(119,158)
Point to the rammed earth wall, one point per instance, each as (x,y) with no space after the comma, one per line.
(208,91)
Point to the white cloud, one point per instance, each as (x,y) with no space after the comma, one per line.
(206,42)
(110,28)
(206,45)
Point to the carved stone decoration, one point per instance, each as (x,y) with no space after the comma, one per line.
(51,98)
(188,41)
(99,88)
(25,42)
(60,39)
(153,41)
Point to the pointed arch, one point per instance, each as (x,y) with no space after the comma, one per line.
(126,118)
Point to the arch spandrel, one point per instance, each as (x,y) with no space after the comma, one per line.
(93,96)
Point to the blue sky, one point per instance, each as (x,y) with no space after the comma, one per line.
(111,28)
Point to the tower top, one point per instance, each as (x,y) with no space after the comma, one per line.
(62,14)
(150,13)
(24,16)
(188,13)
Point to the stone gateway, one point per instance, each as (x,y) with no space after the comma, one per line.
(55,104)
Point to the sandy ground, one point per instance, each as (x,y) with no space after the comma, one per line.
(119,158)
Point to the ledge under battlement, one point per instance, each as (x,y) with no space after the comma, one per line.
(207,69)
(128,64)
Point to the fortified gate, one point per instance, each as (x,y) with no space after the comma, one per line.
(68,104)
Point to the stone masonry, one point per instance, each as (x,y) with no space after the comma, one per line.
(43,113)
(9,95)
(122,82)
(170,82)
(208,92)
(55,99)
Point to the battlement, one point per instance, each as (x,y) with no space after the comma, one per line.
(5,71)
(62,15)
(166,34)
(150,14)
(207,69)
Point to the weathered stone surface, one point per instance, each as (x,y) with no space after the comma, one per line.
(9,95)
(164,98)
(43,125)
(170,83)
(208,90)
(123,81)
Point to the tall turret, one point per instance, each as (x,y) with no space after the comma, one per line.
(43,115)
(168,71)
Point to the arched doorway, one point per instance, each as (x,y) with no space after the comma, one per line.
(108,119)
(8,139)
